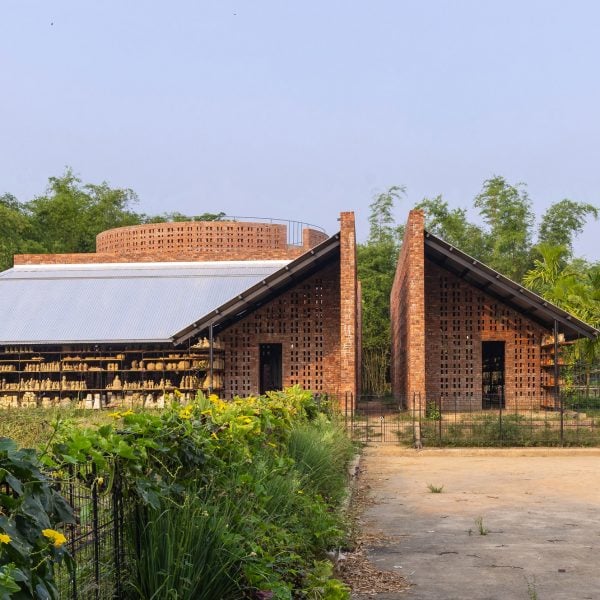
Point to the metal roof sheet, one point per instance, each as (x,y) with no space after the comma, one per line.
(45,304)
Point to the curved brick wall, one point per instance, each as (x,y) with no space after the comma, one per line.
(201,237)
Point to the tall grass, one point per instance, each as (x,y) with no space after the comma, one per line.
(32,427)
(322,450)
(186,551)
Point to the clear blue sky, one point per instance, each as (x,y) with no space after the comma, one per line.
(302,109)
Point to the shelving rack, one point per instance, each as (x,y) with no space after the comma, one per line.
(107,376)
(551,361)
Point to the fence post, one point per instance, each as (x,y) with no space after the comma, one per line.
(71,471)
(439,417)
(346,410)
(96,531)
(367,426)
(500,398)
(557,394)
(117,508)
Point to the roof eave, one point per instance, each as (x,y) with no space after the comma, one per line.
(248,299)
(576,326)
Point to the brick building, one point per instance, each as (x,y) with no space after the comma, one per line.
(227,306)
(465,337)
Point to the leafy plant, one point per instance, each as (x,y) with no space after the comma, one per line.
(31,514)
(224,498)
(433,411)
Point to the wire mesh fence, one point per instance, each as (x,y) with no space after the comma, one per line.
(96,541)
(573,421)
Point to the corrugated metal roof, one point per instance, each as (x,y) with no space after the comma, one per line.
(45,304)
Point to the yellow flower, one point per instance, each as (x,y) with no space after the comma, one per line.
(115,415)
(4,538)
(186,412)
(57,538)
(213,397)
(127,413)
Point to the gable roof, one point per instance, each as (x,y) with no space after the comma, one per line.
(271,286)
(504,289)
(141,302)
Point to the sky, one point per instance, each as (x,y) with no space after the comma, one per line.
(302,109)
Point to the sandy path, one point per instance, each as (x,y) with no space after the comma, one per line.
(541,508)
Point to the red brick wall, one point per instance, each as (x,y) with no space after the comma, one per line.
(407,307)
(312,237)
(194,236)
(349,310)
(186,241)
(459,318)
(306,322)
(155,256)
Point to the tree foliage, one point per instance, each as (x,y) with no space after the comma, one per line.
(504,238)
(563,221)
(376,269)
(69,216)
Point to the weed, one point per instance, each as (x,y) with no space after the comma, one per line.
(483,530)
(531,589)
(435,489)
(433,412)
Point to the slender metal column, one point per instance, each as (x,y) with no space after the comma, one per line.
(557,395)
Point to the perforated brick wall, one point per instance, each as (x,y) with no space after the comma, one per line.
(439,322)
(187,241)
(306,322)
(459,318)
(316,322)
(218,237)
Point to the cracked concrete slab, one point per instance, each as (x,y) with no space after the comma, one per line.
(538,511)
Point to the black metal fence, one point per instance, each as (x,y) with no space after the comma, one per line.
(97,540)
(574,421)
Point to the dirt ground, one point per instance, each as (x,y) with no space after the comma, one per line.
(508,524)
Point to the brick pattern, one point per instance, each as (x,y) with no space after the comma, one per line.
(155,256)
(312,237)
(186,241)
(317,321)
(459,318)
(349,309)
(197,236)
(408,315)
(306,322)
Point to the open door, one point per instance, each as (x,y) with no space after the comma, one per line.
(492,377)
(270,367)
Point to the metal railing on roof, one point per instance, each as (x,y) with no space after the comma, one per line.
(294,228)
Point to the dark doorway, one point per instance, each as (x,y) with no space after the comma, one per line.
(270,367)
(492,376)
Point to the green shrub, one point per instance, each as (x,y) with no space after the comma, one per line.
(322,450)
(31,517)
(186,551)
(223,499)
